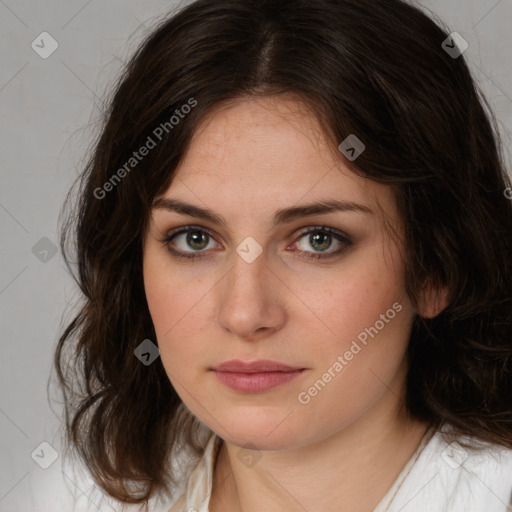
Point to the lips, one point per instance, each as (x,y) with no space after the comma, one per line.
(255,376)
(262,365)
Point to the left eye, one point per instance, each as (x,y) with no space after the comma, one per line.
(322,239)
(198,239)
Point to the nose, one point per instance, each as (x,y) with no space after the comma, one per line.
(251,301)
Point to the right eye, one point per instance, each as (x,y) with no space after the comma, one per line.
(193,237)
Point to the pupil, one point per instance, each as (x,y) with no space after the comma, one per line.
(195,237)
(319,237)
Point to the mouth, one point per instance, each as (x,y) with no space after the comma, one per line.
(255,376)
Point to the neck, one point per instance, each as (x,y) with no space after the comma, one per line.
(350,471)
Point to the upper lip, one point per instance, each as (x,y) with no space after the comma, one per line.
(261,365)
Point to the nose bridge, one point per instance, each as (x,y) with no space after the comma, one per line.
(249,269)
(249,297)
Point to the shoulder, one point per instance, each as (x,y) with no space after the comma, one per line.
(458,474)
(67,485)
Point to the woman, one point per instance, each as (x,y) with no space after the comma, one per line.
(293,240)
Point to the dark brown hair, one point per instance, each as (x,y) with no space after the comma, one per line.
(376,69)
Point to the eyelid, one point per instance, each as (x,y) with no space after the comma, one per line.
(184,229)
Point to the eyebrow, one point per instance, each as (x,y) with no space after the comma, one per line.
(280,217)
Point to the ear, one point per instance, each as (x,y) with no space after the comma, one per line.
(433,300)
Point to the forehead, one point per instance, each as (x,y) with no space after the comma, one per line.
(239,130)
(253,153)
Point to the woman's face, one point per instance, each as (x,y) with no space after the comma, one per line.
(255,290)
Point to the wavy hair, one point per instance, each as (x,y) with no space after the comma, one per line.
(375,69)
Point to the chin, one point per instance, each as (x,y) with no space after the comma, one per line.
(260,441)
(261,431)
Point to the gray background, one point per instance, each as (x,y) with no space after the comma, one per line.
(48,112)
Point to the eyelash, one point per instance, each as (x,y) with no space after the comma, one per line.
(346,242)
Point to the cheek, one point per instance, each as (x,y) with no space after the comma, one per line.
(169,294)
(174,301)
(369,318)
(353,297)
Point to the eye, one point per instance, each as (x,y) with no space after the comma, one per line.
(198,239)
(193,237)
(321,239)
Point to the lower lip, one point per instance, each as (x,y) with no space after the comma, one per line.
(255,382)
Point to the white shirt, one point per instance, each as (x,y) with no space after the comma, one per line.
(431,481)
(439,477)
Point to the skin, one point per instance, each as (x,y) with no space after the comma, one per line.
(344,449)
